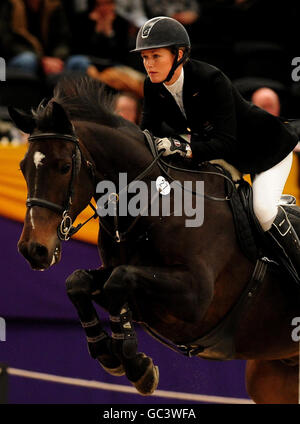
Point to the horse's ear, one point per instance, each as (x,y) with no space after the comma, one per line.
(24,121)
(61,121)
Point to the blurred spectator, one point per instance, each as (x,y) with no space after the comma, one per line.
(16,44)
(10,134)
(33,33)
(184,11)
(128,106)
(102,37)
(133,11)
(110,36)
(75,7)
(137,12)
(102,48)
(265,16)
(267,99)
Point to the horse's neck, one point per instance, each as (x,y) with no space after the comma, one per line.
(116,150)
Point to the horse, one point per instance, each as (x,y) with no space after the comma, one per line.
(181,283)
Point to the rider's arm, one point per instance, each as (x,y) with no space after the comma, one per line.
(151,119)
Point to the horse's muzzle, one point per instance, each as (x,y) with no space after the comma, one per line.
(38,255)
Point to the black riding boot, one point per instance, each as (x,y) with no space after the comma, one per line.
(285,238)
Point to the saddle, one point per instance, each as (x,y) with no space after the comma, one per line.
(251,237)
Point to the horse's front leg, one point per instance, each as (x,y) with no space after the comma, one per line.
(153,293)
(82,286)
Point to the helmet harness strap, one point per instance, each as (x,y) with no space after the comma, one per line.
(176,63)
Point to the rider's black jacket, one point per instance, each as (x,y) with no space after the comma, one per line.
(221,122)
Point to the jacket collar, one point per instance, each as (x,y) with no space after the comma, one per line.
(189,88)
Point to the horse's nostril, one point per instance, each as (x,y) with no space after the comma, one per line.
(23,249)
(36,254)
(39,251)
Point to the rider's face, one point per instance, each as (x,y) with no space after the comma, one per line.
(158,63)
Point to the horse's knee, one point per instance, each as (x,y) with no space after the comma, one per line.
(79,283)
(123,278)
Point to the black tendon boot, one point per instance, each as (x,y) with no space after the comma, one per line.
(285,239)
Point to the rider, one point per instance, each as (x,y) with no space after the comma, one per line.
(185,96)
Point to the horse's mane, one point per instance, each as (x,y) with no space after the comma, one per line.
(84,99)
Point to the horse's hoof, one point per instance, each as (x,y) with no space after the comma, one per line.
(116,371)
(148,382)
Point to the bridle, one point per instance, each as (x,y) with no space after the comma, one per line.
(65,229)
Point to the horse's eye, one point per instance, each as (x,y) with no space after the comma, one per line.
(65,169)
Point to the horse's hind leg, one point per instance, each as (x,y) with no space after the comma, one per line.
(273,381)
(81,286)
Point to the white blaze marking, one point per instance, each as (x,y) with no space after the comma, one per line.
(31,219)
(37,159)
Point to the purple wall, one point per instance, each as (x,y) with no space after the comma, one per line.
(35,294)
(43,335)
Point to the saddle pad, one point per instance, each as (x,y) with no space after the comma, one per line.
(251,237)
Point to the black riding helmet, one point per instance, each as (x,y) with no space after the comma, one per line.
(162,32)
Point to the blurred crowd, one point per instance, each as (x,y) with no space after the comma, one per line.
(252,41)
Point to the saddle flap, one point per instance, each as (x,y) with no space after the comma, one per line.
(244,221)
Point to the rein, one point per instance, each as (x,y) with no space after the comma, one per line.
(115,234)
(163,165)
(66,229)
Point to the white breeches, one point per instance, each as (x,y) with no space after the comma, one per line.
(267,190)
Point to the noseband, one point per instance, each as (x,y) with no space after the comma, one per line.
(65,230)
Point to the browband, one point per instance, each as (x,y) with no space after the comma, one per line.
(58,136)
